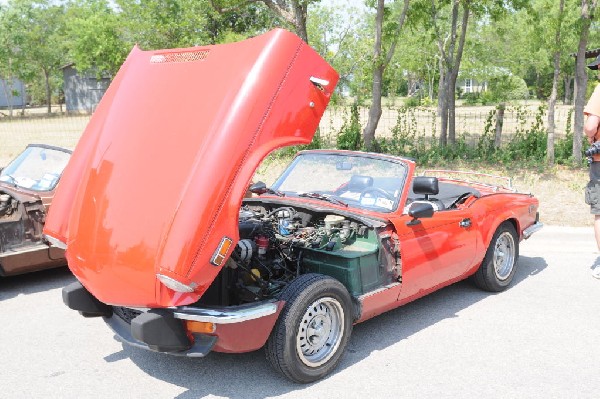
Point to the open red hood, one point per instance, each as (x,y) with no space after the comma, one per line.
(158,176)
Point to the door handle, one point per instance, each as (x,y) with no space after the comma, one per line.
(465,223)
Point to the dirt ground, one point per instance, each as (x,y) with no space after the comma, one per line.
(560,192)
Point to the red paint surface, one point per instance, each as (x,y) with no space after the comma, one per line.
(158,176)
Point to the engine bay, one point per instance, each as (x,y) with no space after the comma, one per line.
(279,242)
(21,222)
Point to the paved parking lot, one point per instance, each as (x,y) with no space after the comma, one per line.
(539,339)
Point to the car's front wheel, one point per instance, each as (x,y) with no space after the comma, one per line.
(500,262)
(313,329)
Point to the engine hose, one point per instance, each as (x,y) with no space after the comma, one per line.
(298,263)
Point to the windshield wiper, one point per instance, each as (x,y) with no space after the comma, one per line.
(260,188)
(323,197)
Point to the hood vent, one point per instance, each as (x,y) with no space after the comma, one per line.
(185,56)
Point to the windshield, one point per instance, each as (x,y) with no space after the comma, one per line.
(360,181)
(38,168)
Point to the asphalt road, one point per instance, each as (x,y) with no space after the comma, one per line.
(538,339)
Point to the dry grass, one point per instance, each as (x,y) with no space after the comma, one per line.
(559,189)
(15,134)
(560,192)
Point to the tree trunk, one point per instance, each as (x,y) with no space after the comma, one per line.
(450,60)
(587,9)
(568,82)
(441,95)
(454,75)
(551,107)
(444,119)
(48,90)
(380,63)
(554,93)
(293,12)
(375,109)
(499,123)
(7,93)
(300,10)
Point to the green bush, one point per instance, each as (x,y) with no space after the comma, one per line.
(471,98)
(350,135)
(413,101)
(508,87)
(527,147)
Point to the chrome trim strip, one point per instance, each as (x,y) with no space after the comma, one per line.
(532,229)
(377,291)
(55,242)
(227,315)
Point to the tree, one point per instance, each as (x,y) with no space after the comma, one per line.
(94,36)
(381,59)
(553,95)
(292,12)
(37,28)
(158,24)
(450,58)
(587,11)
(341,36)
(7,55)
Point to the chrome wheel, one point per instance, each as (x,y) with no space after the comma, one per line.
(313,328)
(504,255)
(320,332)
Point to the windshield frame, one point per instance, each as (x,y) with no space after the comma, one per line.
(22,158)
(402,164)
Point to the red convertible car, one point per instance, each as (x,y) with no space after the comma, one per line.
(191,265)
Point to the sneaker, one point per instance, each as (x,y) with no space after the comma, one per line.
(596,272)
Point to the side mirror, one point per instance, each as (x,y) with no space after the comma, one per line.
(258,188)
(419,210)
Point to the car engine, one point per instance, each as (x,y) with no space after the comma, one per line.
(278,243)
(21,222)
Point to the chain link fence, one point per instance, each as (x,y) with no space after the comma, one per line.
(36,126)
(471,122)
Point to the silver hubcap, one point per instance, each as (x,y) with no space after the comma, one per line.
(320,332)
(504,255)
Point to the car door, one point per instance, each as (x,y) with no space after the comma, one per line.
(435,250)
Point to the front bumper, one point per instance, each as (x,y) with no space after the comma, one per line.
(532,229)
(241,328)
(163,338)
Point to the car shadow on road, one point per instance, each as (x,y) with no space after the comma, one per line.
(249,375)
(31,283)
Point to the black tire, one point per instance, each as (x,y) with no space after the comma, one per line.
(323,303)
(500,262)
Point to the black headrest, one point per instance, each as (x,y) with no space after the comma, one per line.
(426,185)
(359,183)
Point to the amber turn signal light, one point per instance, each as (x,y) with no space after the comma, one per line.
(221,252)
(200,327)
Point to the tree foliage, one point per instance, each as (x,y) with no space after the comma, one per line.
(509,46)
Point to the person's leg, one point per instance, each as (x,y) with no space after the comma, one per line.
(596,270)
(597,230)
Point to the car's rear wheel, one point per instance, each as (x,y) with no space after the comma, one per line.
(500,262)
(313,329)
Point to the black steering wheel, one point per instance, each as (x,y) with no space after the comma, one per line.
(378,192)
